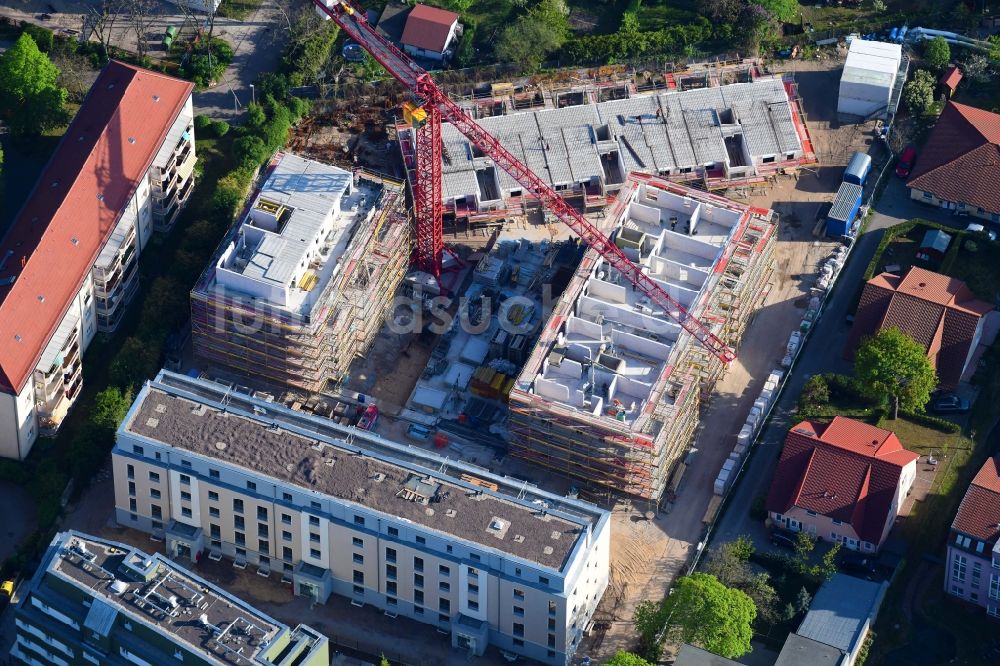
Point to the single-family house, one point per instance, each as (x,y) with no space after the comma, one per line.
(939,312)
(959,166)
(950,79)
(840,616)
(843,482)
(430,32)
(973,566)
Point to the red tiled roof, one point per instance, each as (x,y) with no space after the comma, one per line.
(951,77)
(58,233)
(979,513)
(847,470)
(939,312)
(428,27)
(961,160)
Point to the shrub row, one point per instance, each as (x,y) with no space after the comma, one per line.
(601,49)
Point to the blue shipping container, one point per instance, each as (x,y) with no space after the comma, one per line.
(858,168)
(844,210)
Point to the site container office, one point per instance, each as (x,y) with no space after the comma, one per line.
(845,209)
(858,168)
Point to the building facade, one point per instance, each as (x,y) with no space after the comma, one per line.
(972,571)
(335,510)
(94,601)
(68,264)
(843,481)
(610,393)
(288,297)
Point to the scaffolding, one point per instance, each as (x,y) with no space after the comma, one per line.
(307,351)
(644,459)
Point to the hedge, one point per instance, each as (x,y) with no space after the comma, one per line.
(935,422)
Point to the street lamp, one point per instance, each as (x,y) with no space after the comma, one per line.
(253,94)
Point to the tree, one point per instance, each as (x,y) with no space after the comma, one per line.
(829,562)
(702,611)
(878,6)
(534,35)
(134,364)
(918,93)
(755,25)
(893,368)
(730,564)
(937,53)
(802,600)
(623,658)
(110,407)
(977,68)
(804,545)
(994,47)
(721,11)
(816,391)
(103,18)
(30,97)
(140,20)
(783,10)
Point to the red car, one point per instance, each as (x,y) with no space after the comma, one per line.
(369,418)
(905,163)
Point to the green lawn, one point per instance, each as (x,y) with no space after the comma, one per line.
(238,9)
(659,14)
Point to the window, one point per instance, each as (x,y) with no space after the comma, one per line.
(286,535)
(185,463)
(136,449)
(391,601)
(157,525)
(315,554)
(156,511)
(958,566)
(286,553)
(359,577)
(552,624)
(359,558)
(185,496)
(241,552)
(287,497)
(251,486)
(358,590)
(262,513)
(132,505)
(185,480)
(979,546)
(518,611)
(837,522)
(131,471)
(448,548)
(444,605)
(215,531)
(421,540)
(359,520)
(475,557)
(417,610)
(213,473)
(213,511)
(518,629)
(186,512)
(517,571)
(418,564)
(393,532)
(552,640)
(443,570)
(314,537)
(418,597)
(286,519)
(213,496)
(443,619)
(473,573)
(473,588)
(444,587)
(357,543)
(390,554)
(314,521)
(994,587)
(239,522)
(418,580)
(810,513)
(543,580)
(263,546)
(262,530)
(131,488)
(241,538)
(154,477)
(552,609)
(316,505)
(957,591)
(993,611)
(238,505)
(473,605)
(390,572)
(390,588)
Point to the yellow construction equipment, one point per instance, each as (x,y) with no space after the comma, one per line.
(414,114)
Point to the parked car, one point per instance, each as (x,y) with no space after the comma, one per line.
(857,564)
(784,539)
(949,404)
(905,163)
(980,229)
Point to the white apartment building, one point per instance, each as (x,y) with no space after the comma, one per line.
(334,510)
(68,263)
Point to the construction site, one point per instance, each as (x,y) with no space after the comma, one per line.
(288,298)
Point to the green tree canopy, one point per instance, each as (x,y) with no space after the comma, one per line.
(894,369)
(534,35)
(623,658)
(784,10)
(937,52)
(702,611)
(730,564)
(30,98)
(918,94)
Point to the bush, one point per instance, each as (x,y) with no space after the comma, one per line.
(944,425)
(816,391)
(43,36)
(304,61)
(202,123)
(220,128)
(207,64)
(230,192)
(250,151)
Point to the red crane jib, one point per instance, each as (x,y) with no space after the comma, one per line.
(427,189)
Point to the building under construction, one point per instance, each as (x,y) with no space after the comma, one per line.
(302,284)
(712,134)
(610,394)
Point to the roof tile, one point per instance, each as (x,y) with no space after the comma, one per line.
(979,513)
(428,28)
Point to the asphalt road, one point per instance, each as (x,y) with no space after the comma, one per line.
(822,353)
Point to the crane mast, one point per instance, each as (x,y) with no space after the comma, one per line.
(432,107)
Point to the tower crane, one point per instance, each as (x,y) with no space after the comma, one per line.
(430,107)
